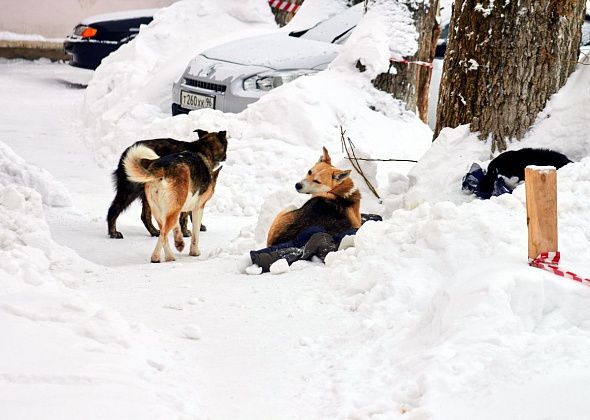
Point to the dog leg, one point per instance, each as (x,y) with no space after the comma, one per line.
(158,249)
(183,222)
(146,216)
(197,217)
(178,239)
(170,224)
(121,201)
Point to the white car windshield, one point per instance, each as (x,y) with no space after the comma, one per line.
(336,28)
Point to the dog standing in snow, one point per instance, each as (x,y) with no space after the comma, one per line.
(334,206)
(128,191)
(175,183)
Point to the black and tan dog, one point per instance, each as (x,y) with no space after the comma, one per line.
(128,191)
(175,183)
(334,206)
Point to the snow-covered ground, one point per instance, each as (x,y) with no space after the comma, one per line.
(434,314)
(13,36)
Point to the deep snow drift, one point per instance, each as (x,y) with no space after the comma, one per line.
(59,350)
(434,314)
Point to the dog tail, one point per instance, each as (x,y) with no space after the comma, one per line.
(137,163)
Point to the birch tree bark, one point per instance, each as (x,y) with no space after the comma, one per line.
(504,60)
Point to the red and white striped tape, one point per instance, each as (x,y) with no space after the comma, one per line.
(549,261)
(284,5)
(404,61)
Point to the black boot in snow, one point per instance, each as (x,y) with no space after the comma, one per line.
(266,259)
(320,244)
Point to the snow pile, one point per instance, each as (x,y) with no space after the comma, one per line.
(314,11)
(451,321)
(559,126)
(15,171)
(451,316)
(387,30)
(13,36)
(56,345)
(132,87)
(277,139)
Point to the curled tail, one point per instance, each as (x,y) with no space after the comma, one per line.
(137,162)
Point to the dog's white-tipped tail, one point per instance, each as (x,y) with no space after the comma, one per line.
(137,172)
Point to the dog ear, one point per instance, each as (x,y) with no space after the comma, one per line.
(222,134)
(325,157)
(340,176)
(201,133)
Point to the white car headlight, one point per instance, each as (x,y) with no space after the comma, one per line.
(271,80)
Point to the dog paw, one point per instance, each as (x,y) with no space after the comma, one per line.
(195,253)
(155,260)
(203,228)
(170,258)
(179,245)
(116,235)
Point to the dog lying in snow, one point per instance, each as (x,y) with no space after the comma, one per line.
(175,183)
(334,205)
(507,170)
(128,191)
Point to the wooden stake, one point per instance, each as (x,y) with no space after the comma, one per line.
(541,206)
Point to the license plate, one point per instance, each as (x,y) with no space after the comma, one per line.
(195,101)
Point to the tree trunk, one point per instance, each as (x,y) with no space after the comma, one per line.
(283,17)
(411,82)
(503,61)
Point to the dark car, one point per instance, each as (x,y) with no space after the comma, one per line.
(98,36)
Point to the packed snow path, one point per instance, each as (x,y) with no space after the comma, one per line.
(243,339)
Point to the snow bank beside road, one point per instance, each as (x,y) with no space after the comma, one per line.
(132,86)
(275,140)
(451,315)
(387,30)
(452,322)
(60,355)
(14,170)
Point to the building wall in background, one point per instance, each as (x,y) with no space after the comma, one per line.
(57,18)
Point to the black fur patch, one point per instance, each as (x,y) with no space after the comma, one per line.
(513,163)
(318,211)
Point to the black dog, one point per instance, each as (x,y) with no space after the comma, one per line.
(511,165)
(128,191)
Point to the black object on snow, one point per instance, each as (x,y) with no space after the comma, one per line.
(310,242)
(508,166)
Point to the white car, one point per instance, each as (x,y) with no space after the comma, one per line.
(233,75)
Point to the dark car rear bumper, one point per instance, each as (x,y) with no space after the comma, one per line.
(88,54)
